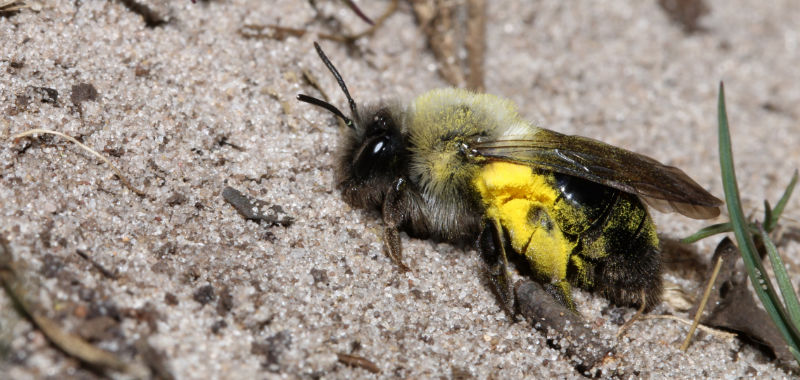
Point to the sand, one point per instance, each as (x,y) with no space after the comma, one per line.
(191,106)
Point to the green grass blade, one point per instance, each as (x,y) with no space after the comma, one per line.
(782,278)
(705,232)
(755,268)
(778,210)
(795,353)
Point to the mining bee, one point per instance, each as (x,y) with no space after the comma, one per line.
(455,165)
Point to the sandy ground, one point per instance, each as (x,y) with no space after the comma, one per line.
(189,107)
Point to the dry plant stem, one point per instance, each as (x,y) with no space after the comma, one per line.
(635,317)
(710,330)
(358,361)
(378,22)
(443,43)
(280,31)
(358,12)
(343,38)
(76,347)
(12,5)
(476,43)
(152,17)
(105,272)
(86,148)
(312,80)
(69,343)
(699,313)
(437,20)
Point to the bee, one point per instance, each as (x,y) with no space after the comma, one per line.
(461,166)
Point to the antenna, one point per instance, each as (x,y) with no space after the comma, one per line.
(327,106)
(339,80)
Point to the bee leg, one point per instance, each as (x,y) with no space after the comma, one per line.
(490,244)
(561,291)
(392,217)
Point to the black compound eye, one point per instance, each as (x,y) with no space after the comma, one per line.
(377,155)
(379,146)
(382,149)
(379,149)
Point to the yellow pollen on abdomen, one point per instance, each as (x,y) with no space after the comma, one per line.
(522,201)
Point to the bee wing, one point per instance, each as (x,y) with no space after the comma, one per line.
(665,188)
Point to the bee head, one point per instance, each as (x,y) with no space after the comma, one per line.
(372,154)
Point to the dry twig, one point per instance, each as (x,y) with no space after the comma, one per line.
(358,361)
(443,22)
(437,18)
(710,330)
(702,306)
(68,343)
(86,148)
(476,43)
(8,6)
(637,316)
(281,32)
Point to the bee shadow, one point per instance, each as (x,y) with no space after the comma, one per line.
(683,260)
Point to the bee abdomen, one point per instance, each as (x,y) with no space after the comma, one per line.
(617,252)
(630,272)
